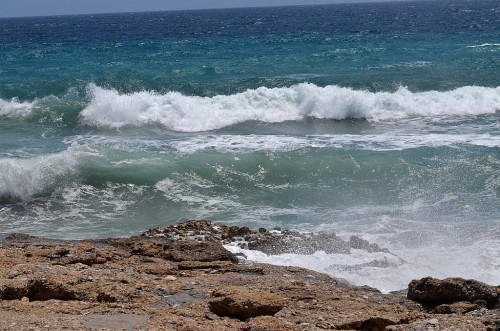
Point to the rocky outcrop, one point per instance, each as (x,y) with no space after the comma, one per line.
(181,278)
(240,302)
(271,242)
(434,292)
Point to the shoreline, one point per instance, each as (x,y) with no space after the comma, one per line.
(183,278)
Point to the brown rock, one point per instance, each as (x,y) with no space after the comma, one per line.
(374,323)
(191,250)
(240,302)
(455,308)
(36,290)
(434,292)
(112,283)
(190,265)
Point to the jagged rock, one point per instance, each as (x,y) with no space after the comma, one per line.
(272,242)
(240,302)
(432,291)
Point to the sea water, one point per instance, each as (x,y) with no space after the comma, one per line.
(380,120)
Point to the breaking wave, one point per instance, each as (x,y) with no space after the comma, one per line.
(25,178)
(15,108)
(175,111)
(178,112)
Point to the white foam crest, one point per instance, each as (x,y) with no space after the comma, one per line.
(281,143)
(483,45)
(25,177)
(16,108)
(178,112)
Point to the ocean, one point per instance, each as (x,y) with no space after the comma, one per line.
(380,120)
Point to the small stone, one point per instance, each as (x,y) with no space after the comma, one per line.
(212,316)
(170,278)
(25,300)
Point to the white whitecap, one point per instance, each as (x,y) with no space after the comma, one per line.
(179,112)
(25,177)
(483,45)
(16,108)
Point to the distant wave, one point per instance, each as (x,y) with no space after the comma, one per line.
(179,112)
(484,45)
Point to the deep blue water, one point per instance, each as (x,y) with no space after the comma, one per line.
(378,119)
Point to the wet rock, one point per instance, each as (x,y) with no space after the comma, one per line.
(298,243)
(240,302)
(359,243)
(432,291)
(276,241)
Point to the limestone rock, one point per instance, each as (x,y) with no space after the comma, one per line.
(432,291)
(240,302)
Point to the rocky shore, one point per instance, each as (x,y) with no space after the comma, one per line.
(182,278)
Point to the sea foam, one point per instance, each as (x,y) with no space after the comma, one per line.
(16,108)
(179,112)
(26,177)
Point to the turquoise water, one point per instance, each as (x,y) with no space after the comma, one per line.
(380,120)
